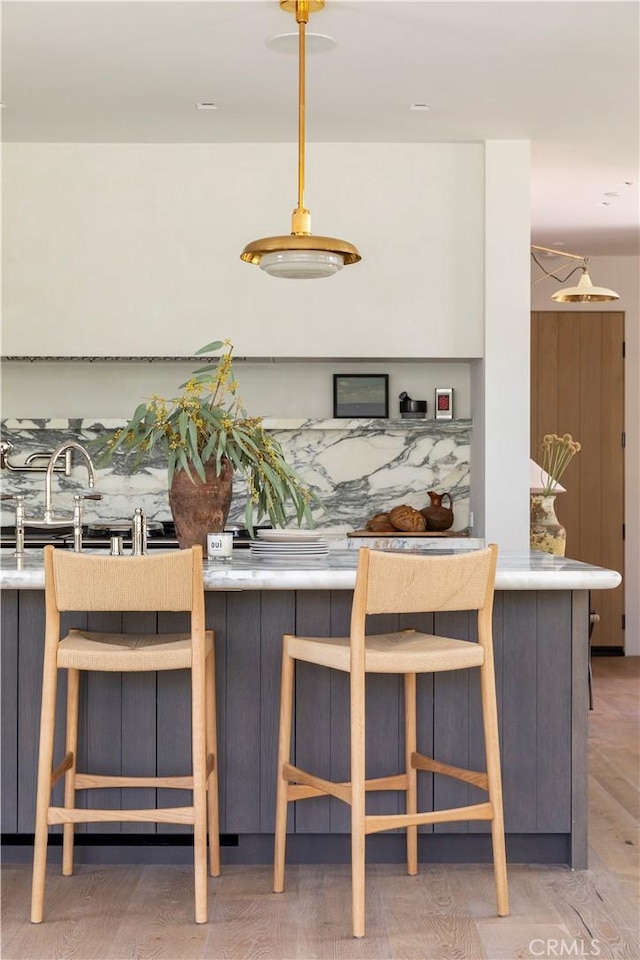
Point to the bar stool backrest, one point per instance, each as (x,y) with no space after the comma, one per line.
(167,581)
(402,583)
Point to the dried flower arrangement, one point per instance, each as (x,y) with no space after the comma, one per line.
(557,453)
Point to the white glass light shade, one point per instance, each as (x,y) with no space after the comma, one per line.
(585,292)
(301,264)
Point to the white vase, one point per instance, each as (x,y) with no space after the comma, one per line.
(546,533)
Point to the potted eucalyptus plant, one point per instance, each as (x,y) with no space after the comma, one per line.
(207,437)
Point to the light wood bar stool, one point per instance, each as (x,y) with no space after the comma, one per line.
(161,582)
(397,583)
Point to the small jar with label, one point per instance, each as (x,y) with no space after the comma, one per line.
(220,546)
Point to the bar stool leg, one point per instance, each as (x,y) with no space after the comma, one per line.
(284,754)
(212,782)
(410,747)
(73,692)
(358,802)
(492,751)
(199,747)
(43,799)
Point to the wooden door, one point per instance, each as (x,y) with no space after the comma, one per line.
(577,387)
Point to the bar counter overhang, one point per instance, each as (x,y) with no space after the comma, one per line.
(541,619)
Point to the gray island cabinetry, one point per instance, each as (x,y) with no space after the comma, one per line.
(140,722)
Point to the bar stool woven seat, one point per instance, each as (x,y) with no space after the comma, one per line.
(399,583)
(162,582)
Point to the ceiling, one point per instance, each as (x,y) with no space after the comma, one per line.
(561,74)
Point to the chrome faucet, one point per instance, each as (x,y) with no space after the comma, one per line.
(30,466)
(19,499)
(48,480)
(139,534)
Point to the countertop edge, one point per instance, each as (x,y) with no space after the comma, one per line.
(236,578)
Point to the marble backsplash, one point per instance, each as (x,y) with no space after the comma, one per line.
(356,467)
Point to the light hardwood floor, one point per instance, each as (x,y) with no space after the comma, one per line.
(445,913)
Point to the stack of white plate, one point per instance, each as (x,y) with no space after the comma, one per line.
(288,546)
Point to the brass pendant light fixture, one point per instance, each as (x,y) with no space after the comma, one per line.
(300,255)
(584,292)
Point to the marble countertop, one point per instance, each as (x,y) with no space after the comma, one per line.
(516,571)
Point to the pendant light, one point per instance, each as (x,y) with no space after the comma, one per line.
(300,255)
(585,292)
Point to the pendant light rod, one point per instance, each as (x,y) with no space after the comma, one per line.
(302,69)
(584,263)
(301,219)
(558,253)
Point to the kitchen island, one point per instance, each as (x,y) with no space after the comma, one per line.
(541,619)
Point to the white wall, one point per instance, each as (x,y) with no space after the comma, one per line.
(621,274)
(500,382)
(133,249)
(115,249)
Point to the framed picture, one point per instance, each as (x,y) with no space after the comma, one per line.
(360,395)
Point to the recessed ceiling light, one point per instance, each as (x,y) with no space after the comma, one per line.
(288,43)
(602,203)
(627,183)
(611,193)
(207,105)
(419,106)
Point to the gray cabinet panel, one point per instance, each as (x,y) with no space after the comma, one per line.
(216,620)
(477,759)
(31,625)
(476,737)
(424,708)
(278,616)
(520,711)
(9,711)
(313,710)
(173,712)
(243,762)
(579,716)
(103,726)
(553,751)
(451,724)
(78,620)
(384,699)
(139,727)
(340,748)
(30,658)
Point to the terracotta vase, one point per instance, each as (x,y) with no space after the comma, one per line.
(200,508)
(436,516)
(546,533)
